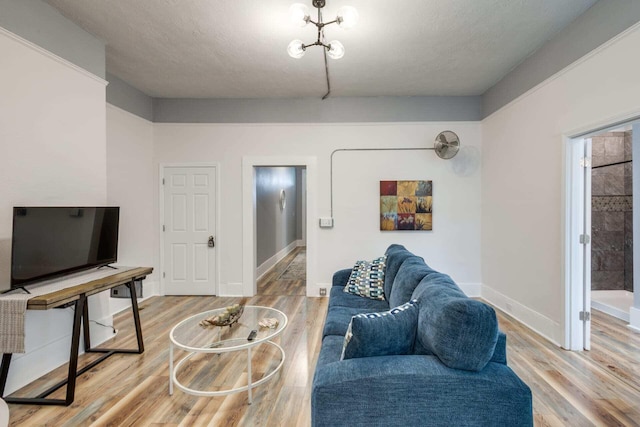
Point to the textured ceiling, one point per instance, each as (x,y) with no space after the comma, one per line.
(237,48)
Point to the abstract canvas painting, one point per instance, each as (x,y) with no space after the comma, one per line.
(406,205)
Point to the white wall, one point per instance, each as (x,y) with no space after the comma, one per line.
(131,185)
(52,140)
(452,247)
(523,178)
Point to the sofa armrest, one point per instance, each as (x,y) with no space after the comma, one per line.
(340,277)
(407,390)
(500,353)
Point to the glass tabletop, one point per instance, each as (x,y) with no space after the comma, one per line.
(190,335)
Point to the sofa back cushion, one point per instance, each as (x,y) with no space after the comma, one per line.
(396,254)
(409,275)
(460,331)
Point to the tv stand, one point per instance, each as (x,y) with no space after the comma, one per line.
(76,295)
(107,266)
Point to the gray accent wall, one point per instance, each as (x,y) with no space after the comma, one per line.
(299,200)
(123,95)
(275,227)
(316,110)
(635,170)
(603,21)
(44,26)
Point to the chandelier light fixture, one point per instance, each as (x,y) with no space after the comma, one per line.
(346,17)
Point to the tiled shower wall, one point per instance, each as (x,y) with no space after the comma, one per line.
(611,214)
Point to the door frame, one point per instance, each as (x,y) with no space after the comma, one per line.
(249,255)
(577,254)
(161,168)
(574,263)
(574,253)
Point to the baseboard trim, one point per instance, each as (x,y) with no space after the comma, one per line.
(271,262)
(313,289)
(533,320)
(634,318)
(231,290)
(611,311)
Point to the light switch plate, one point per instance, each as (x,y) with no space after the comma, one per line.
(326,222)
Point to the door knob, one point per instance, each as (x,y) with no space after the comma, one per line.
(211,243)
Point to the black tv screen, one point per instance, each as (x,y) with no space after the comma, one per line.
(53,241)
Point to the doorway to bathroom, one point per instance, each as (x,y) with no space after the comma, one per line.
(599,229)
(612,222)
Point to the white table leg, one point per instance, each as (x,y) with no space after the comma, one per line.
(249,373)
(171,369)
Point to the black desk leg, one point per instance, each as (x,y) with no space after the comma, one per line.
(70,382)
(81,306)
(4,371)
(85,327)
(136,315)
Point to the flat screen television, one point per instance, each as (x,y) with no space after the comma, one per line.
(54,241)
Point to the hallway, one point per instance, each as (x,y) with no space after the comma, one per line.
(287,277)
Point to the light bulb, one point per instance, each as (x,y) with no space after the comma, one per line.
(347,17)
(336,50)
(299,14)
(296,49)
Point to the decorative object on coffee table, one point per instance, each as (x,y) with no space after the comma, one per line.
(230,316)
(268,323)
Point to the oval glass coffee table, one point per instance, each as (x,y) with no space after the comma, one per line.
(188,335)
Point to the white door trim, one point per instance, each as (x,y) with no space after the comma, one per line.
(249,287)
(161,168)
(577,255)
(573,278)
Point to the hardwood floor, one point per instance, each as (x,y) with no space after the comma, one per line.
(272,282)
(133,389)
(599,387)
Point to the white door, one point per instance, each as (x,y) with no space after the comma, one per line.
(578,241)
(189,230)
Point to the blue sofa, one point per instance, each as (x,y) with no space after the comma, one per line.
(457,373)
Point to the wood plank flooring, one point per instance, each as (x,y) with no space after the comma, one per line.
(272,284)
(600,387)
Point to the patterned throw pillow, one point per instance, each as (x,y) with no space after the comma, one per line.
(367,279)
(388,333)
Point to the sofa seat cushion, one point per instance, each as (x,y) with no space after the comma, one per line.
(388,333)
(337,297)
(338,319)
(409,275)
(462,332)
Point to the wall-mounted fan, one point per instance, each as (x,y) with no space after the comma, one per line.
(447,144)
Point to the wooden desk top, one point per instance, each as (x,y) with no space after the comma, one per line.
(72,293)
